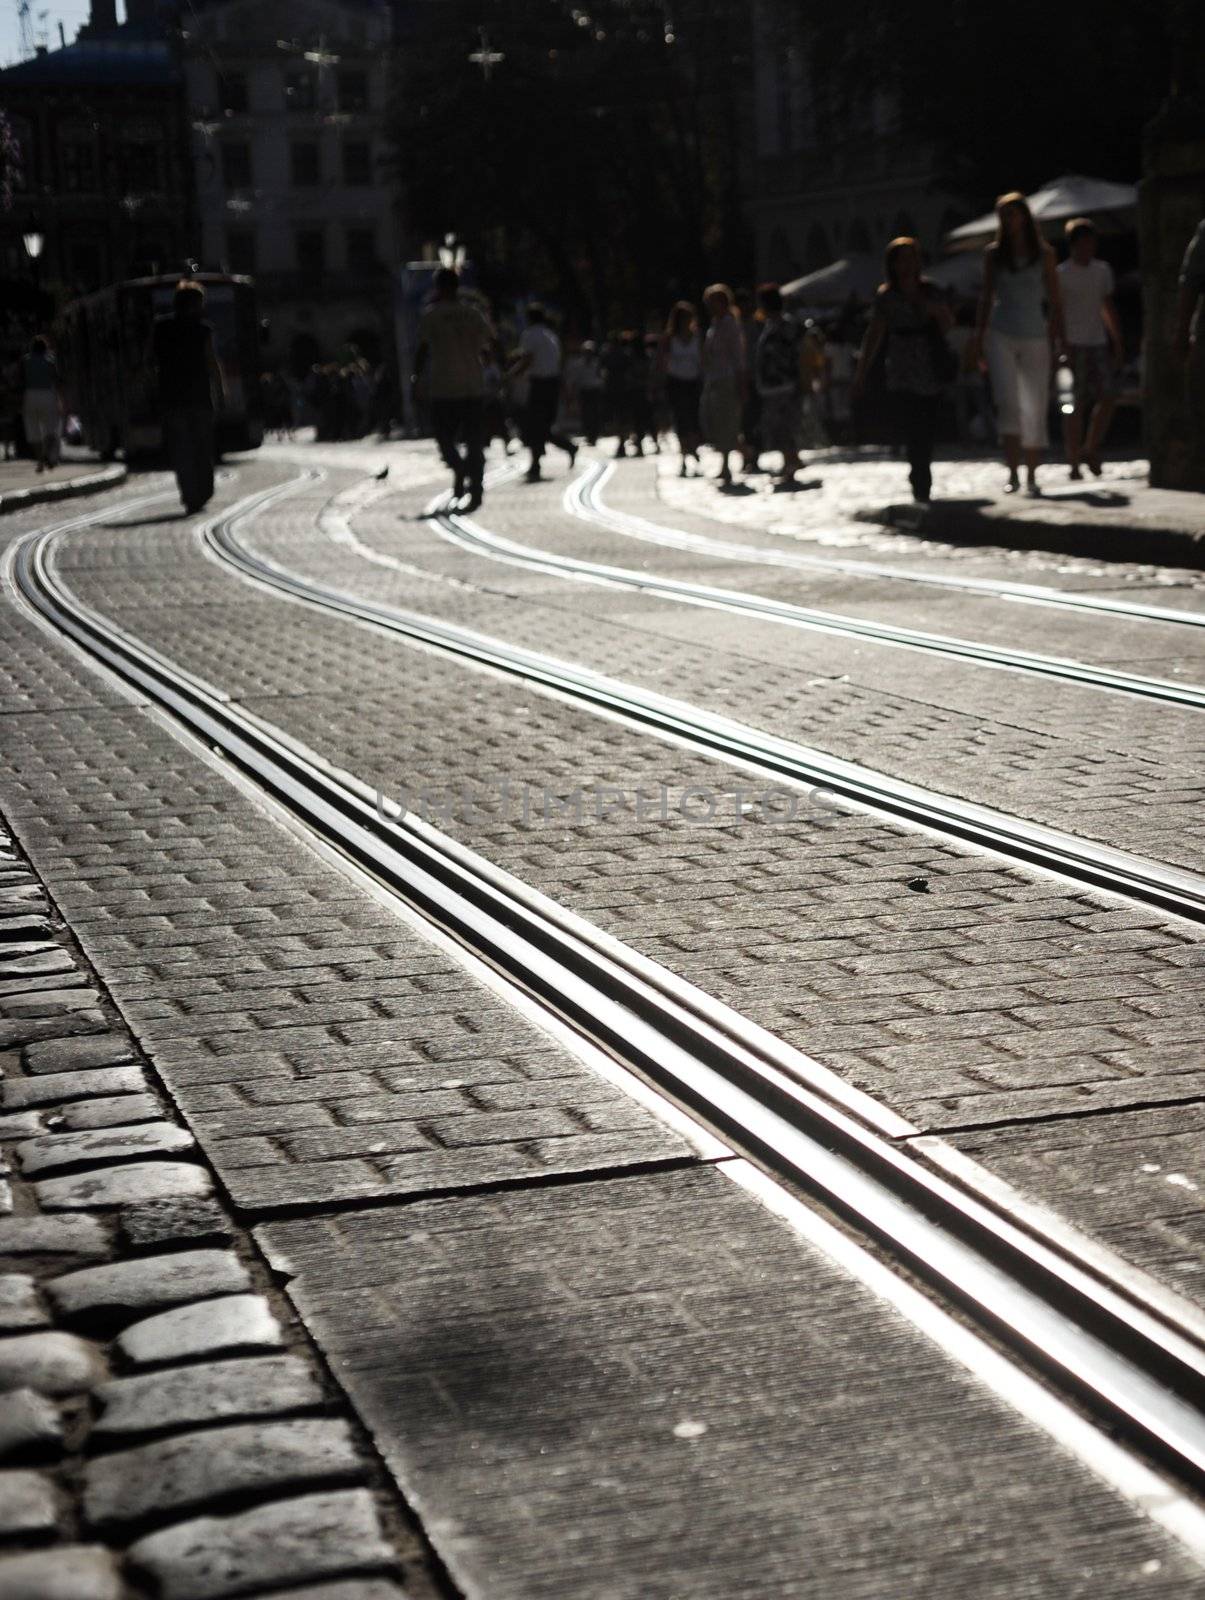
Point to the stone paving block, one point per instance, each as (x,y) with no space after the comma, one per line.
(321,1535)
(349,1589)
(53,1236)
(34,1000)
(57,1087)
(110,1111)
(217,1391)
(23,927)
(68,1572)
(49,958)
(29,1425)
(237,1322)
(28,1504)
(187,1471)
(6,1193)
(19,1303)
(126,1143)
(148,1283)
(31,1030)
(75,1055)
(21,1125)
(161,1222)
(50,1362)
(130,1185)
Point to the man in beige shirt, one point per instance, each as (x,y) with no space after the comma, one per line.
(453,337)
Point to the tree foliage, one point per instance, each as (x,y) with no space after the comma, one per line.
(1010,95)
(596,162)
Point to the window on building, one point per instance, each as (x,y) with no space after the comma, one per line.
(301,91)
(142,158)
(25,155)
(353,90)
(361,249)
(311,252)
(357,163)
(232,92)
(236,164)
(305,165)
(240,249)
(77,159)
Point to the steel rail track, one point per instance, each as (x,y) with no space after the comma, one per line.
(584,499)
(1136,1376)
(1084,862)
(472,536)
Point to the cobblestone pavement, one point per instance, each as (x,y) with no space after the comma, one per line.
(325,1055)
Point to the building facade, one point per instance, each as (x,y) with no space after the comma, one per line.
(287,106)
(834,177)
(106,170)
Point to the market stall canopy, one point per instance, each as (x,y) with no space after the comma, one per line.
(857,275)
(1110,205)
(963,274)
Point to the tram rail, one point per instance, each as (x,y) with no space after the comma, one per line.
(1126,1360)
(470,535)
(584,499)
(1084,862)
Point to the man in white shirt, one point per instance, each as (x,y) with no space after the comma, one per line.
(539,360)
(1095,350)
(453,338)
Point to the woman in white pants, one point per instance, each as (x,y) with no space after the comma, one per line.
(1021,312)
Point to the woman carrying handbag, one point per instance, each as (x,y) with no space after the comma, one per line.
(912,316)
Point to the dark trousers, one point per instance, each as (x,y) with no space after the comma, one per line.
(916,427)
(188,434)
(543,397)
(459,428)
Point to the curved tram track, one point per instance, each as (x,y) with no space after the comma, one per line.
(1128,1361)
(584,499)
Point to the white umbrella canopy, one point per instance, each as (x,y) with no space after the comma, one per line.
(1110,205)
(961,273)
(859,275)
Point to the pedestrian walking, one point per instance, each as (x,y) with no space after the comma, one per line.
(591,390)
(454,340)
(779,378)
(1095,349)
(725,377)
(190,380)
(681,361)
(42,403)
(1020,317)
(911,314)
(539,361)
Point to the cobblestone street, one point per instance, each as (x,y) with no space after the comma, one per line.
(352,1249)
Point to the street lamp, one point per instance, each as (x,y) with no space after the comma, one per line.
(452,253)
(34,240)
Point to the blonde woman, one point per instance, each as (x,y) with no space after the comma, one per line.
(725,379)
(1021,315)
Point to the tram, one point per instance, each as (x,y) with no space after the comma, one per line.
(109,371)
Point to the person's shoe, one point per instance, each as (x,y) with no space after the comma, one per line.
(1033,490)
(682,471)
(460,487)
(1094,466)
(533,475)
(473,503)
(1075,475)
(572,456)
(1013,484)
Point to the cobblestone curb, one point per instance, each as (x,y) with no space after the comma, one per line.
(166,1429)
(63,489)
